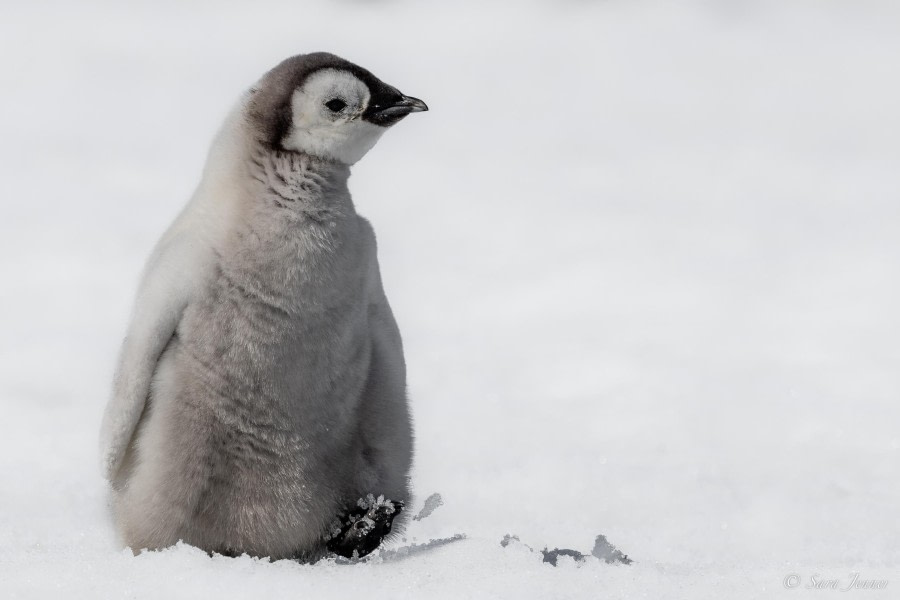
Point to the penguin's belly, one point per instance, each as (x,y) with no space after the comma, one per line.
(265,402)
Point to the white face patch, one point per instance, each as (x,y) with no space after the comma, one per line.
(326,115)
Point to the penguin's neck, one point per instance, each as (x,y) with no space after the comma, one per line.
(294,237)
(301,187)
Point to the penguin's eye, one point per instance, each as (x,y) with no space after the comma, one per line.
(335,105)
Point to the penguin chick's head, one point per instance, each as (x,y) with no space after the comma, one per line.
(325,106)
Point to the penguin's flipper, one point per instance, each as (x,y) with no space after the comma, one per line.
(167,284)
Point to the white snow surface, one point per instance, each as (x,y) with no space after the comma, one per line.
(644,256)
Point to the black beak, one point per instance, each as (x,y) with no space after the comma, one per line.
(413,104)
(388,109)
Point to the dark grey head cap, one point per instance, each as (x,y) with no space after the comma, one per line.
(269,107)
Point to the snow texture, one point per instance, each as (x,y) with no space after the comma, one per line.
(644,256)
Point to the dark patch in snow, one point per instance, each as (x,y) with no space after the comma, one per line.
(431,503)
(602,550)
(551,556)
(413,549)
(608,553)
(401,553)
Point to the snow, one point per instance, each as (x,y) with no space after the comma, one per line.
(644,256)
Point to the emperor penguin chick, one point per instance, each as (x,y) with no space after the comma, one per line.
(260,394)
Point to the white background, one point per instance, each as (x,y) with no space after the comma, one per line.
(644,257)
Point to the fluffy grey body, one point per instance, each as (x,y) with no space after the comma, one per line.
(261,389)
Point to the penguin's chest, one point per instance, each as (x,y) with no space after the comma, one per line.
(284,364)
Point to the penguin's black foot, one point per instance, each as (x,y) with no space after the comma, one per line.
(363,527)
